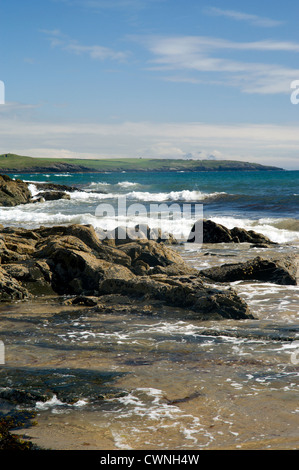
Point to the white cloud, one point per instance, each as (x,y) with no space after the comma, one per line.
(197,55)
(17,110)
(249,18)
(97,52)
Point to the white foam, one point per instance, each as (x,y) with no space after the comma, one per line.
(54,403)
(92,195)
(63,175)
(127,184)
(184,195)
(30,218)
(97,186)
(33,189)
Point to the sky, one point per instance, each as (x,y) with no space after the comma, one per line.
(151,78)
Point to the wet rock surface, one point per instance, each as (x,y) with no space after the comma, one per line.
(53,195)
(71,260)
(13,192)
(217,233)
(66,385)
(279,270)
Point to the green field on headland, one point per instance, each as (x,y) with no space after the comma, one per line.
(10,163)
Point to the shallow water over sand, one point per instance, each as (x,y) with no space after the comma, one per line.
(176,384)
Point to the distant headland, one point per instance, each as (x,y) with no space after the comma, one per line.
(11,163)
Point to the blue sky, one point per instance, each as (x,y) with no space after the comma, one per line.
(150,78)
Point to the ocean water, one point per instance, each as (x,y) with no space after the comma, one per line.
(184,384)
(267,202)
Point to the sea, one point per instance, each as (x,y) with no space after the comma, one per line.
(177,383)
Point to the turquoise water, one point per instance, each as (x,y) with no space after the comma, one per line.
(264,201)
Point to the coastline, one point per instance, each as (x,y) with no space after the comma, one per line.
(143,392)
(115,339)
(10,163)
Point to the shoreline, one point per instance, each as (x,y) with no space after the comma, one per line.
(22,164)
(131,170)
(63,426)
(143,313)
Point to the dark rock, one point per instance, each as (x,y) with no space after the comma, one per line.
(241,235)
(71,260)
(281,270)
(29,385)
(79,272)
(38,199)
(53,195)
(121,235)
(217,233)
(35,276)
(140,268)
(87,301)
(16,419)
(174,269)
(151,253)
(13,192)
(85,234)
(16,244)
(56,187)
(199,300)
(10,288)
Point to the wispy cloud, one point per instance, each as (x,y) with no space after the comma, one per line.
(15,109)
(98,52)
(203,59)
(254,20)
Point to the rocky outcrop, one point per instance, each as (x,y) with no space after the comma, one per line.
(13,192)
(53,191)
(16,192)
(55,187)
(10,288)
(217,233)
(53,195)
(151,253)
(72,260)
(278,270)
(185,292)
(121,235)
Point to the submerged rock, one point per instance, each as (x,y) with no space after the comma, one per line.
(53,195)
(190,293)
(26,386)
(56,187)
